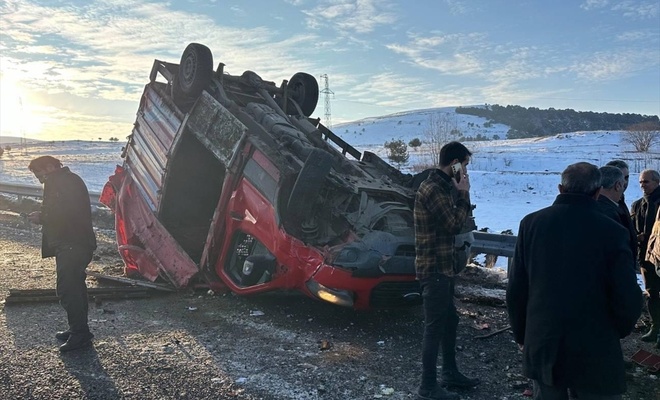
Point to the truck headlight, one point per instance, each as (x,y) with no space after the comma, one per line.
(335,296)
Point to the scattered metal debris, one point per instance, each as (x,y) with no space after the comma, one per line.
(647,359)
(134,282)
(497,332)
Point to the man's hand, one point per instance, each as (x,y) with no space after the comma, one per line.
(464,184)
(35,217)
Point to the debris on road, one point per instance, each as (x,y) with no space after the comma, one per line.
(94,294)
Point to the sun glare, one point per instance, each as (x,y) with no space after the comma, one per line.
(15,116)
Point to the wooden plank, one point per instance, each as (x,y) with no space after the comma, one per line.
(92,290)
(48,295)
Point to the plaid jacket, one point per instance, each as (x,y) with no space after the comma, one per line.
(438,217)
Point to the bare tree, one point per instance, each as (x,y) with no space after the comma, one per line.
(642,135)
(441,129)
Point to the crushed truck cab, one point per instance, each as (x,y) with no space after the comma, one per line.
(228,180)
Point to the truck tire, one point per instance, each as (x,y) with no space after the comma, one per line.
(304,89)
(182,101)
(195,70)
(309,183)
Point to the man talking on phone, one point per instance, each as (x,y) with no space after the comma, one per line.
(442,208)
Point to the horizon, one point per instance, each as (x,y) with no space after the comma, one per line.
(76,69)
(18,140)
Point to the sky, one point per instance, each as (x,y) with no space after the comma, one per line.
(76,69)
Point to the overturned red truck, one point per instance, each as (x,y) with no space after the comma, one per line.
(227,180)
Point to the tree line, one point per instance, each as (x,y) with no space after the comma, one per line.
(534,122)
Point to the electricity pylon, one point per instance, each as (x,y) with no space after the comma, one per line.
(327,92)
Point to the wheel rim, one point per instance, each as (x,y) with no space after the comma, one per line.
(190,68)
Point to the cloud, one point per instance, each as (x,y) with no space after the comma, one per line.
(393,92)
(105,50)
(457,7)
(358,16)
(637,9)
(117,42)
(640,36)
(594,4)
(633,9)
(611,65)
(454,54)
(238,11)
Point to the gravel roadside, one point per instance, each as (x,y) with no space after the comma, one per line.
(194,344)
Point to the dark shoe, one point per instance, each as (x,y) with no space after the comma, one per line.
(63,336)
(77,341)
(651,335)
(436,393)
(457,380)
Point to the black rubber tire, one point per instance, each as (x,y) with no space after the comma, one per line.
(304,89)
(309,183)
(182,101)
(195,70)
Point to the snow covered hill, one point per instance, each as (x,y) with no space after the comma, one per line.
(510,178)
(371,132)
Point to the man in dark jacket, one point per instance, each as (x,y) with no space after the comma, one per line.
(442,208)
(67,235)
(612,187)
(643,213)
(572,293)
(623,211)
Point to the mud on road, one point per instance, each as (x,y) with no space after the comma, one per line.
(195,344)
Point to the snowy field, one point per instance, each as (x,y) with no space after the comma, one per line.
(509,178)
(93,161)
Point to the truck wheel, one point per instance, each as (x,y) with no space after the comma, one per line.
(304,89)
(182,101)
(309,183)
(195,70)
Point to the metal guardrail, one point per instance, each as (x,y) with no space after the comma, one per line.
(37,191)
(494,244)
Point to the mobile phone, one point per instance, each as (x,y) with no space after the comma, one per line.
(457,170)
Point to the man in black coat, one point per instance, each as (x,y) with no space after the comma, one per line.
(623,211)
(611,192)
(67,235)
(573,293)
(644,212)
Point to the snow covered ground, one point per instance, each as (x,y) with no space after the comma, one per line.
(509,178)
(93,161)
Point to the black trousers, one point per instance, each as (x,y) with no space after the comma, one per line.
(71,262)
(652,283)
(440,325)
